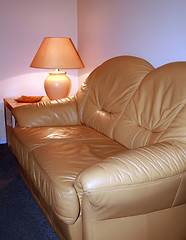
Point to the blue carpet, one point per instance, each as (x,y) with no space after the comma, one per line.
(20,216)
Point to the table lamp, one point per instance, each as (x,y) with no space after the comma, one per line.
(57,53)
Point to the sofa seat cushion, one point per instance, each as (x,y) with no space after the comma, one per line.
(32,137)
(25,139)
(54,165)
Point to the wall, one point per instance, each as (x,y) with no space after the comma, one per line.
(154,30)
(23,25)
(150,29)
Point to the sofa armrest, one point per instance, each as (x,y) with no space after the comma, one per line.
(135,182)
(54,113)
(135,166)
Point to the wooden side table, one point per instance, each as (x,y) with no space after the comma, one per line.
(9,104)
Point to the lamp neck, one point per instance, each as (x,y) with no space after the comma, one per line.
(57,72)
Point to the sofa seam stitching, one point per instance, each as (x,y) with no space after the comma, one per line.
(181,180)
(147,227)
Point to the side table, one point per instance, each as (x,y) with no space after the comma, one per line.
(9,104)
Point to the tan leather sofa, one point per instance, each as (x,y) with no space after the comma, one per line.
(109,163)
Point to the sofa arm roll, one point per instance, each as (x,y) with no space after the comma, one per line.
(136,182)
(54,113)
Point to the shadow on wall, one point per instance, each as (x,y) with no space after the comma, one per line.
(2,127)
(82,77)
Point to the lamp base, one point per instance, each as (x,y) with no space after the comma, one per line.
(57,85)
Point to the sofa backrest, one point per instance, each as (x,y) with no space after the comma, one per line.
(128,100)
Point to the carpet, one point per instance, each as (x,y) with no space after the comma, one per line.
(20,216)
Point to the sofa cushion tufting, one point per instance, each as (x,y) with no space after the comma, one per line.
(157,111)
(108,90)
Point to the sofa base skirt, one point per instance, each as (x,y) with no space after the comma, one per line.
(64,231)
(160,225)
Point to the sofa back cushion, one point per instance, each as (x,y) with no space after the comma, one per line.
(128,100)
(157,110)
(105,94)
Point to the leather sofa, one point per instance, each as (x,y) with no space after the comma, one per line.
(109,162)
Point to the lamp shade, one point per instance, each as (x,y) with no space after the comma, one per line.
(57,53)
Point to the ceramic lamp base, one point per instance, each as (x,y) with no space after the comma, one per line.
(57,85)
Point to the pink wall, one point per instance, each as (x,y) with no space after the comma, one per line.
(150,29)
(23,25)
(154,30)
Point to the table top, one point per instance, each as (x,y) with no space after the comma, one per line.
(11,103)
